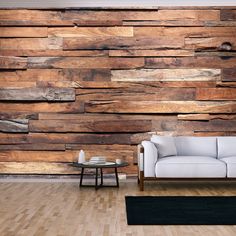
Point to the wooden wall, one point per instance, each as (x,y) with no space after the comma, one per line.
(103,80)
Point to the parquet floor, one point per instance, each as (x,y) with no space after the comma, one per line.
(63,209)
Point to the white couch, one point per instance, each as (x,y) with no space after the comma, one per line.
(167,157)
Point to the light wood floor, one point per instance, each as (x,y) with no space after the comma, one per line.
(63,209)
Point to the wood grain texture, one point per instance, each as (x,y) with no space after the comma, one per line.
(23,32)
(13,62)
(103,80)
(216,94)
(14,126)
(37,94)
(122,42)
(84,62)
(229,74)
(166,75)
(160,107)
(112,126)
(228,15)
(191,62)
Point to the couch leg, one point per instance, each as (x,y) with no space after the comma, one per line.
(141,181)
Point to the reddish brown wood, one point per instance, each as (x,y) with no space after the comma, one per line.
(229,75)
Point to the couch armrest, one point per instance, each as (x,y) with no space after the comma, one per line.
(148,159)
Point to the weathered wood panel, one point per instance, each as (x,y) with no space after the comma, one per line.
(12,62)
(150,53)
(135,94)
(31,147)
(206,117)
(37,94)
(56,75)
(213,43)
(191,62)
(30,43)
(90,32)
(79,138)
(53,53)
(166,75)
(160,107)
(122,42)
(229,74)
(23,32)
(134,73)
(84,62)
(42,107)
(216,94)
(112,126)
(14,126)
(228,15)
(185,31)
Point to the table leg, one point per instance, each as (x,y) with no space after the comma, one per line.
(96,179)
(117,180)
(81,176)
(101,177)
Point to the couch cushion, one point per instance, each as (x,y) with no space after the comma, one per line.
(226,146)
(231,166)
(196,146)
(190,167)
(165,145)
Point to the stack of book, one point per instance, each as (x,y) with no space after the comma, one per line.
(97,160)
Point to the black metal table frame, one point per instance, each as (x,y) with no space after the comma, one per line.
(97,167)
(97,186)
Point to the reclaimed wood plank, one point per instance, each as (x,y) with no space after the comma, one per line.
(38,94)
(54,53)
(36,168)
(66,74)
(18,115)
(79,138)
(226,84)
(216,94)
(30,147)
(90,31)
(229,74)
(213,43)
(190,62)
(228,15)
(122,43)
(12,62)
(42,107)
(161,94)
(14,126)
(159,107)
(206,117)
(84,62)
(166,75)
(185,31)
(23,32)
(111,126)
(13,138)
(139,15)
(31,43)
(14,85)
(150,53)
(21,17)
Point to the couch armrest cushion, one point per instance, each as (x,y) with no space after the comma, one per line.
(165,145)
(150,158)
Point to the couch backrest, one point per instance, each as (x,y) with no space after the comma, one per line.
(196,146)
(226,146)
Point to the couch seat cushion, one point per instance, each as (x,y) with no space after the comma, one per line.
(231,166)
(190,167)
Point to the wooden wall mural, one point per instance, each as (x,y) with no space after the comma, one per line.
(104,80)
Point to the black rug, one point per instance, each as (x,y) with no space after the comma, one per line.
(178,210)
